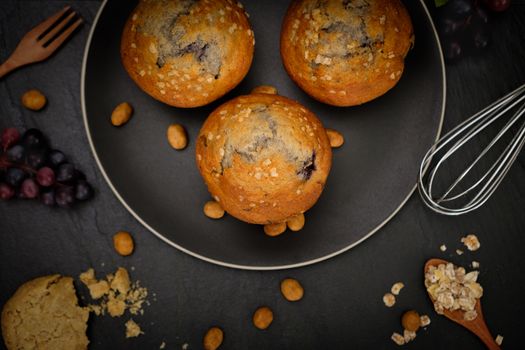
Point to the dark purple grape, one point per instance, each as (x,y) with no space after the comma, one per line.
(33,138)
(83,190)
(10,136)
(48,198)
(459,9)
(498,5)
(6,191)
(481,39)
(65,172)
(29,189)
(449,26)
(480,16)
(36,158)
(45,176)
(14,177)
(56,158)
(452,50)
(16,153)
(65,196)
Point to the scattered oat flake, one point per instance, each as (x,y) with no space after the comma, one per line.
(185,346)
(443,248)
(475,264)
(396,288)
(389,299)
(459,252)
(162,345)
(499,339)
(409,335)
(398,338)
(425,320)
(471,242)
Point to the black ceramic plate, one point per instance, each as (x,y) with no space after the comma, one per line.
(372,176)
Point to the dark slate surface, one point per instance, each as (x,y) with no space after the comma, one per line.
(342,307)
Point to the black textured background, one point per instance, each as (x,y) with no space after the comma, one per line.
(342,307)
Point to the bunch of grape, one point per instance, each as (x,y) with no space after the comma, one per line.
(463,26)
(30,169)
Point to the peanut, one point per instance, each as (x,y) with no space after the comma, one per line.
(265,89)
(335,137)
(263,317)
(296,223)
(121,114)
(213,338)
(411,321)
(177,137)
(33,100)
(273,230)
(123,243)
(292,289)
(213,210)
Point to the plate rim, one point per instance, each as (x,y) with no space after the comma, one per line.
(223,263)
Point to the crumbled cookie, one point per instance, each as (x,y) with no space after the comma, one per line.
(132,329)
(44,313)
(443,248)
(425,320)
(471,242)
(499,339)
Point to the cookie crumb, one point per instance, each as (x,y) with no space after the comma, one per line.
(132,329)
(162,345)
(185,346)
(459,252)
(443,248)
(471,242)
(475,264)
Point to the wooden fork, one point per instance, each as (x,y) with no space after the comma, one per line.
(41,41)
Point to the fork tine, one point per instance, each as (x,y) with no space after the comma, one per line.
(57,28)
(62,37)
(43,26)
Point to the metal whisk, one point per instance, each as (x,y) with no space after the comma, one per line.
(477,194)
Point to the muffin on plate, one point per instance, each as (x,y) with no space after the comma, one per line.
(346,52)
(264,157)
(187,53)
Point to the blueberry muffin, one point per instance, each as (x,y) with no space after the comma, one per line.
(187,53)
(44,314)
(346,52)
(264,157)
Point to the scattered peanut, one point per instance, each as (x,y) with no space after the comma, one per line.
(177,137)
(292,289)
(213,338)
(263,317)
(213,210)
(121,114)
(411,321)
(33,100)
(335,137)
(273,230)
(123,243)
(296,222)
(265,89)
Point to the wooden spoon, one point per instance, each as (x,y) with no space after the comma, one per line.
(477,325)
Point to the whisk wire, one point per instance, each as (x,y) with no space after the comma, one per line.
(461,135)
